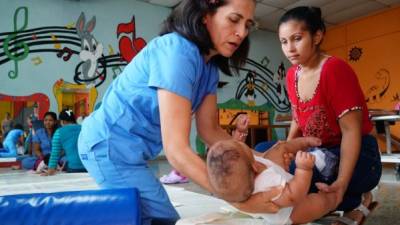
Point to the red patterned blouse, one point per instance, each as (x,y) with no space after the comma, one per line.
(337,93)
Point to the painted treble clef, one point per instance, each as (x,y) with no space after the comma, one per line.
(14,54)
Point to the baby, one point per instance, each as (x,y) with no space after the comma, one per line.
(235,174)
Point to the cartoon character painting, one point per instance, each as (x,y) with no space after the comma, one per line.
(377,91)
(250,84)
(279,79)
(91,49)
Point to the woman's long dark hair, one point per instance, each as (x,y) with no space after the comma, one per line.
(311,16)
(187,20)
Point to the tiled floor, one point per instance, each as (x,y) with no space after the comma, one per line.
(387,194)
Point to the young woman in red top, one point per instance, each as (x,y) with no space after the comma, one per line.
(328,103)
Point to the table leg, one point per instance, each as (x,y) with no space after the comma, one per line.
(388,138)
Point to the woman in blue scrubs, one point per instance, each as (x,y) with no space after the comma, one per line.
(41,141)
(150,105)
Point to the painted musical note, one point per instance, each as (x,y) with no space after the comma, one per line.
(15,56)
(36,60)
(70,25)
(64,51)
(56,44)
(114,69)
(264,86)
(265,61)
(110,50)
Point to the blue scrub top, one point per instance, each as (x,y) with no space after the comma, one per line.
(43,139)
(13,136)
(129,111)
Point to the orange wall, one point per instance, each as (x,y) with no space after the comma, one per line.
(378,37)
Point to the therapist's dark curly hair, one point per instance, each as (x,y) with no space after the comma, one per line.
(187,20)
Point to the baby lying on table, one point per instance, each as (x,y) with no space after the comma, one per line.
(235,174)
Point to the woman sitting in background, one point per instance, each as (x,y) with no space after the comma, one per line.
(66,138)
(41,141)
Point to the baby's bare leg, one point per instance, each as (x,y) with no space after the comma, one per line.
(297,188)
(313,207)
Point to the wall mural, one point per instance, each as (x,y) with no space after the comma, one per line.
(396,97)
(355,54)
(376,92)
(69,41)
(15,54)
(261,80)
(79,40)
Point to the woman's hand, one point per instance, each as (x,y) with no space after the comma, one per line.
(242,123)
(260,202)
(338,187)
(241,130)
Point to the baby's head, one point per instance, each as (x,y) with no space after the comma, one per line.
(230,170)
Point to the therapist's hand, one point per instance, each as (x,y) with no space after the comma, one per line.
(260,202)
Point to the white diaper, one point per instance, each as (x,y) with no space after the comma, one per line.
(273,176)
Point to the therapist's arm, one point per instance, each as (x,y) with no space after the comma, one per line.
(210,131)
(207,122)
(175,119)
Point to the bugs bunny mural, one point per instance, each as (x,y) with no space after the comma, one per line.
(91,50)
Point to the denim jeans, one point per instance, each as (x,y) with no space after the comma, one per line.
(366,175)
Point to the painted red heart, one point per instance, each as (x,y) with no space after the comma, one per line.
(128,49)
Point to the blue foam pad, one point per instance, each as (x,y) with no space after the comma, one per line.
(94,207)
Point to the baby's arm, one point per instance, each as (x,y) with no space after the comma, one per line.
(297,188)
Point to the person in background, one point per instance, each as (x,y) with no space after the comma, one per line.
(65,139)
(41,141)
(28,140)
(328,103)
(14,138)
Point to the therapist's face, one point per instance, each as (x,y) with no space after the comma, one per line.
(230,25)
